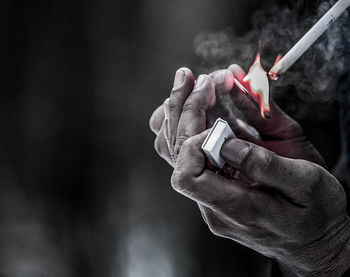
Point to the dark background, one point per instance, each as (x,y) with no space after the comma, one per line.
(82,191)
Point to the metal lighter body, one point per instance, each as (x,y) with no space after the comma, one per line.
(213,143)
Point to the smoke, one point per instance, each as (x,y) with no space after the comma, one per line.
(312,81)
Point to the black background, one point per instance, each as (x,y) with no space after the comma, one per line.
(82,191)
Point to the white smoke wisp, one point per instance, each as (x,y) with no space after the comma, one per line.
(310,81)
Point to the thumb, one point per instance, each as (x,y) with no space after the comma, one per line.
(267,168)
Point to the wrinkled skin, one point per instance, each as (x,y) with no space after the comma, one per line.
(280,134)
(285,206)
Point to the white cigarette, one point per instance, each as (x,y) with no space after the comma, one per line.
(308,39)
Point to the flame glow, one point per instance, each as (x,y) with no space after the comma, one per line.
(255,85)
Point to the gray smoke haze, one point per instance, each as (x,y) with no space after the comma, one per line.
(311,81)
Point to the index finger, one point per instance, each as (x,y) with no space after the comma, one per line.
(193,117)
(183,85)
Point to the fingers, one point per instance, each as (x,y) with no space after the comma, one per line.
(161,145)
(156,120)
(183,85)
(158,124)
(223,80)
(246,131)
(265,167)
(193,117)
(279,126)
(166,122)
(191,179)
(241,204)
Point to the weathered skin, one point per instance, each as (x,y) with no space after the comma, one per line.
(286,206)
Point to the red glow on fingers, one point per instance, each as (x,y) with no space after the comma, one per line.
(225,87)
(229,82)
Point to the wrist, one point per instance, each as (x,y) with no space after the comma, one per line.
(340,262)
(327,256)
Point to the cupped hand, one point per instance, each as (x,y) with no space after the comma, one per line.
(286,207)
(185,113)
(191,108)
(291,210)
(280,134)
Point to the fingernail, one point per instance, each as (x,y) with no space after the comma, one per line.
(219,77)
(166,108)
(234,151)
(179,79)
(200,82)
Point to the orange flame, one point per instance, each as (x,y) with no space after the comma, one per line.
(255,96)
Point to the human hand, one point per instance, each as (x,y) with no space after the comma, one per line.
(191,108)
(280,134)
(290,210)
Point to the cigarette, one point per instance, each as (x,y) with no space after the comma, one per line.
(308,39)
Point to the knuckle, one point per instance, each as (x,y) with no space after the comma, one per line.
(166,102)
(327,184)
(199,100)
(179,181)
(189,106)
(158,146)
(315,177)
(153,123)
(173,105)
(187,142)
(266,164)
(216,226)
(156,119)
(175,180)
(194,107)
(212,74)
(215,230)
(182,142)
